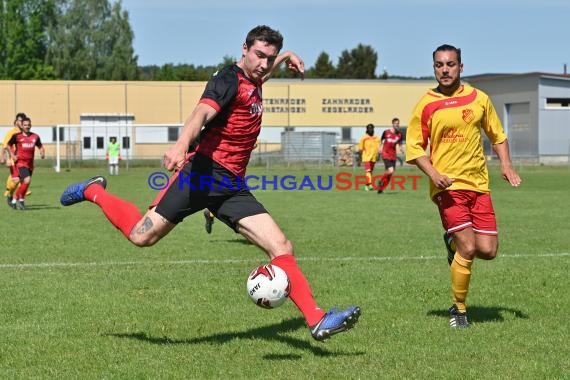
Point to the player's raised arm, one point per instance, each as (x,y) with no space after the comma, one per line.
(293,62)
(176,155)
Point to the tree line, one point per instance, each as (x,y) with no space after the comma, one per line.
(93,40)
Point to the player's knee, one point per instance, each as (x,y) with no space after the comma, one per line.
(467,250)
(487,253)
(286,246)
(142,240)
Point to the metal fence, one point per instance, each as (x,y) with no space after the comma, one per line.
(83,145)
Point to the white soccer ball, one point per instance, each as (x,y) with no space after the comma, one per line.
(268,286)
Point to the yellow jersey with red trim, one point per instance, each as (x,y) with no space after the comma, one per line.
(7,138)
(452,126)
(368,146)
(9,135)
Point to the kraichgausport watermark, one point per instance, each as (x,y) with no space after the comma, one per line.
(340,181)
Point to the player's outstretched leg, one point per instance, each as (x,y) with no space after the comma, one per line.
(75,193)
(334,322)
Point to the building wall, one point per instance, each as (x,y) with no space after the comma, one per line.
(286,103)
(554,121)
(549,126)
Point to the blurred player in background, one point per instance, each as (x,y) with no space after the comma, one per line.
(113,156)
(389,144)
(228,120)
(209,217)
(369,147)
(450,118)
(22,148)
(5,158)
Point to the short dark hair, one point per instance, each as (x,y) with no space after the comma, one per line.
(446,47)
(20,115)
(395,119)
(370,126)
(266,34)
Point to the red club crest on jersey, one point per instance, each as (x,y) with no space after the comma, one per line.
(468,115)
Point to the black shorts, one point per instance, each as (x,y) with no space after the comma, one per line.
(203,183)
(24,172)
(389,163)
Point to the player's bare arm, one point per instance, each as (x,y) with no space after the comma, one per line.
(11,156)
(176,155)
(441,181)
(508,172)
(293,61)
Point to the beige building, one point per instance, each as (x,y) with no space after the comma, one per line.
(146,116)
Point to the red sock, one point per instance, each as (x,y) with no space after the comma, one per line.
(122,214)
(21,191)
(386,179)
(300,290)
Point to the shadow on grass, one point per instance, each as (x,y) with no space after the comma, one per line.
(36,206)
(273,332)
(484,314)
(243,241)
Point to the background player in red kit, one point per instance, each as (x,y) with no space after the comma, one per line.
(226,123)
(389,142)
(22,150)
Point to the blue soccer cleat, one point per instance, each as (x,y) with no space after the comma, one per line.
(335,322)
(75,193)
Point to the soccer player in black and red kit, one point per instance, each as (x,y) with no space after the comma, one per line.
(22,151)
(225,124)
(391,138)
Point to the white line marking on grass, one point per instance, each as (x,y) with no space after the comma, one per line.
(235,261)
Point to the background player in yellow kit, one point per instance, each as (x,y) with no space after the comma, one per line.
(13,176)
(369,147)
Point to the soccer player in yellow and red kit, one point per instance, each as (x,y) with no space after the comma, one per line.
(227,120)
(450,118)
(369,146)
(389,142)
(13,177)
(23,151)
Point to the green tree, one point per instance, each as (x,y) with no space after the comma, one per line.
(228,60)
(118,59)
(324,67)
(92,39)
(23,38)
(359,63)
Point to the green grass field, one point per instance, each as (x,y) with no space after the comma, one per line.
(77,301)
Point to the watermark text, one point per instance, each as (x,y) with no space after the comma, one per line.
(340,181)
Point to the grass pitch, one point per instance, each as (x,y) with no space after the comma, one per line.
(78,301)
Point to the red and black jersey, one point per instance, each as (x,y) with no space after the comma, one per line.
(25,148)
(389,141)
(230,137)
